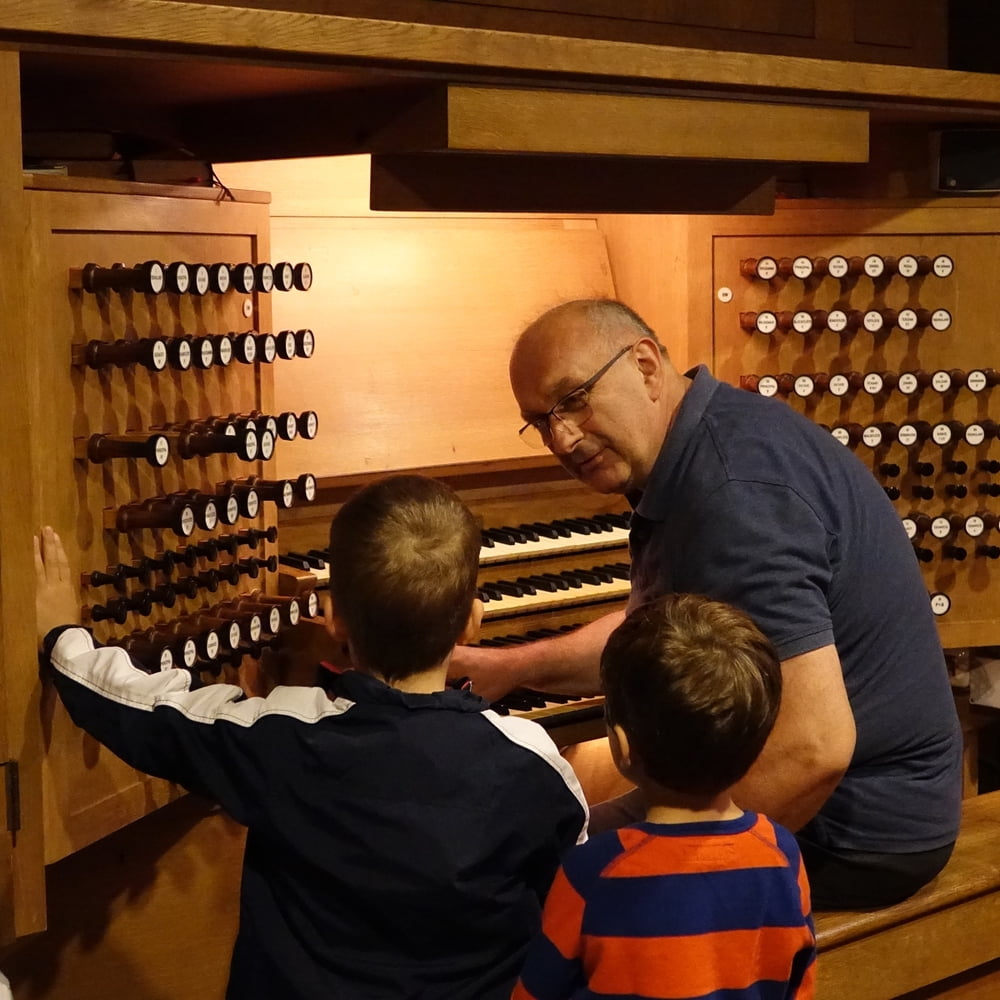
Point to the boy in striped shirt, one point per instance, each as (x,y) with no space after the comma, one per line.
(702,899)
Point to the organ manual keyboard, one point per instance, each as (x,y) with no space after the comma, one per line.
(537,578)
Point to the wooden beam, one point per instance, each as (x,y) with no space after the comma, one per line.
(480,182)
(432,50)
(512,120)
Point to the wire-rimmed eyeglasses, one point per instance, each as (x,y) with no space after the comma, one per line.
(573,409)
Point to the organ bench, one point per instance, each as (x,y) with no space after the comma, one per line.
(943,942)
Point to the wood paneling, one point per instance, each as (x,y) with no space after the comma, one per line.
(517,120)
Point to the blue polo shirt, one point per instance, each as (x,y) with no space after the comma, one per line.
(751,503)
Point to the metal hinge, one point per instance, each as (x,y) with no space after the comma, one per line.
(12,787)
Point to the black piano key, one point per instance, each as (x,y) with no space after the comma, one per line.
(617,570)
(560,581)
(512,588)
(571,578)
(485,540)
(323,554)
(541,583)
(594,524)
(585,576)
(312,561)
(519,536)
(296,562)
(501,536)
(488,592)
(528,531)
(573,526)
(541,528)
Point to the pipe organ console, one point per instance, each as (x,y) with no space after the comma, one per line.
(158,431)
(864,335)
(536,579)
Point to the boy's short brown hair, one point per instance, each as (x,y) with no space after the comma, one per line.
(404,557)
(696,687)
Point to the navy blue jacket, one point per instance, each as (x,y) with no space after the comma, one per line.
(398,846)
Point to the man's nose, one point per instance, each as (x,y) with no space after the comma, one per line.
(563,435)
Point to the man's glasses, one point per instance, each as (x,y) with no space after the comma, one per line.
(573,409)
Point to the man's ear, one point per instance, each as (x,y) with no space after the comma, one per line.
(650,362)
(471,631)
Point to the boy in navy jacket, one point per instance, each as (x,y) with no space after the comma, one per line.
(401,835)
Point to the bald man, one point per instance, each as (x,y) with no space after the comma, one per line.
(740,498)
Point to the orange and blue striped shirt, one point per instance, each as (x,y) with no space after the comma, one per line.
(690,911)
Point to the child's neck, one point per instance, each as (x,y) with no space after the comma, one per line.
(666,806)
(426,682)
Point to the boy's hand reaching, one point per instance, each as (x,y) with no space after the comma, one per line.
(56,599)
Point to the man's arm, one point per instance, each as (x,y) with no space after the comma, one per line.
(810,746)
(568,664)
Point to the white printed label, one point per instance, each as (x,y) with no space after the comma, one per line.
(189,653)
(841,434)
(161,451)
(940,527)
(940,604)
(802,321)
(874,266)
(873,383)
(166,659)
(256,627)
(266,445)
(249,349)
(910,527)
(306,277)
(940,319)
(976,380)
(207,354)
(223,279)
(234,635)
(943,266)
(312,604)
(291,427)
(225,351)
(310,488)
(187,521)
(767,386)
(802,267)
(293,612)
(274,619)
(290,338)
(872,436)
(211,515)
(804,386)
(287,494)
(907,435)
(156,278)
(907,265)
(941,434)
(182,278)
(941,381)
(907,320)
(212,645)
(253,503)
(286,276)
(839,385)
(312,425)
(837,266)
(232,510)
(270,348)
(201,279)
(250,445)
(267,277)
(184,355)
(974,526)
(159,355)
(766,322)
(975,435)
(836,320)
(308,344)
(908,384)
(873,321)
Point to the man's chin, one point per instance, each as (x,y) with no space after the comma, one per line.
(601,476)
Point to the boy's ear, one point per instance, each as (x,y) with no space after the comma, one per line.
(335,624)
(621,752)
(471,631)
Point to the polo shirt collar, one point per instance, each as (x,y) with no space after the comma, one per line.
(652,502)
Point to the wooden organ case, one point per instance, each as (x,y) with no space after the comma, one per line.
(149,495)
